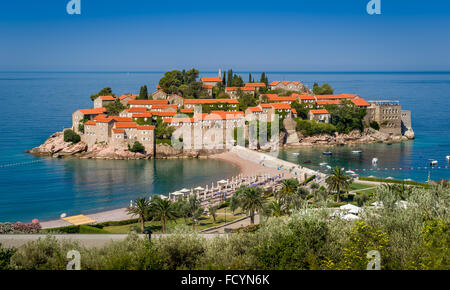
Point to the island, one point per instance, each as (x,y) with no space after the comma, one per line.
(190,117)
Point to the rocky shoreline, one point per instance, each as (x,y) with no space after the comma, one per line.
(368,136)
(56,147)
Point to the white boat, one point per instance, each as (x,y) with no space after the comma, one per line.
(295,154)
(357,151)
(323,164)
(350,172)
(328,166)
(433,162)
(447,157)
(374,161)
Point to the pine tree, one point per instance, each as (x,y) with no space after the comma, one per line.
(143,94)
(230,77)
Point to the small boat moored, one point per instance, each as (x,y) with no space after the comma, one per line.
(307,161)
(323,164)
(374,161)
(327,153)
(295,154)
(356,151)
(433,162)
(447,157)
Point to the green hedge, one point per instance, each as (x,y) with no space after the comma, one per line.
(83,229)
(394,181)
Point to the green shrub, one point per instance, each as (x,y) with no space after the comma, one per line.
(71,136)
(310,128)
(5,257)
(137,147)
(374,125)
(82,229)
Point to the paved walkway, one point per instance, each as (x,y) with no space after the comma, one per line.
(87,240)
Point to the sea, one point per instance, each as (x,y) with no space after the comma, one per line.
(37,104)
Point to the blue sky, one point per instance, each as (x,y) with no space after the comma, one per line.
(143,35)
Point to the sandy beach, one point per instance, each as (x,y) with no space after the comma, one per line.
(247,168)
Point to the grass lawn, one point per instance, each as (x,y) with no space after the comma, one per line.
(155,226)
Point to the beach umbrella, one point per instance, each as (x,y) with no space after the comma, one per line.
(389,177)
(371,176)
(199,188)
(184,190)
(63,215)
(35,221)
(350,217)
(350,207)
(222,181)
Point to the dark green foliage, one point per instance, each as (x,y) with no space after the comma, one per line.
(114,108)
(346,117)
(374,125)
(310,128)
(103,92)
(264,79)
(325,89)
(163,130)
(137,147)
(245,100)
(83,229)
(143,93)
(302,109)
(183,83)
(71,136)
(5,257)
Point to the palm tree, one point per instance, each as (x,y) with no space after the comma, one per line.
(194,208)
(275,208)
(337,181)
(289,186)
(163,210)
(251,200)
(213,212)
(141,209)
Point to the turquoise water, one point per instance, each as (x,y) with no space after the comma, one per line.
(34,105)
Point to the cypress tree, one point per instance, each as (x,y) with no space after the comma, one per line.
(230,77)
(250,77)
(143,93)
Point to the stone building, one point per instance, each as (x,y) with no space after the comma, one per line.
(320,115)
(85,114)
(388,115)
(146,103)
(288,86)
(214,104)
(211,81)
(102,101)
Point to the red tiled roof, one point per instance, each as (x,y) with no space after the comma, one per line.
(306,97)
(267,106)
(210,101)
(125,96)
(247,88)
(274,83)
(227,89)
(335,97)
(211,79)
(279,99)
(207,86)
(90,123)
(178,120)
(146,127)
(163,114)
(294,111)
(255,84)
(328,102)
(316,112)
(164,106)
(255,109)
(360,102)
(107,98)
(186,110)
(93,111)
(280,106)
(136,110)
(142,115)
(102,116)
(118,130)
(122,125)
(148,102)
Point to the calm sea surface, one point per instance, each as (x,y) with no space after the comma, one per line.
(34,105)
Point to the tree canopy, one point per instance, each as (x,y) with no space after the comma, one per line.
(114,108)
(346,117)
(103,92)
(324,89)
(183,83)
